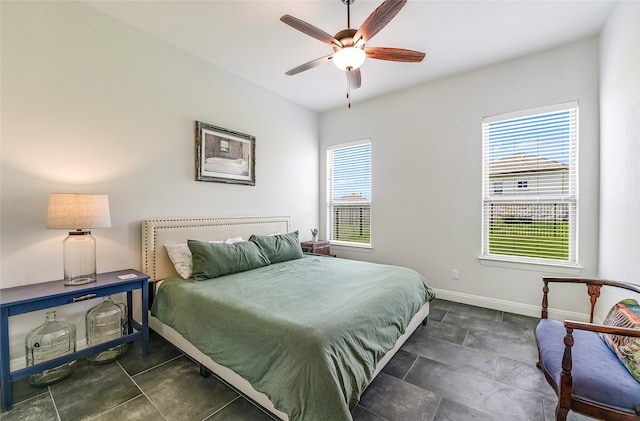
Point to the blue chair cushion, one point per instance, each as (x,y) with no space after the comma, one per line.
(598,375)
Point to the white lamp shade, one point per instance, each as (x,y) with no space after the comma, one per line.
(78,211)
(349,58)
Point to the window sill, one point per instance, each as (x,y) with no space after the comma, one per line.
(533,266)
(349,246)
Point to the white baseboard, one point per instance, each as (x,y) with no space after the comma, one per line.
(18,364)
(509,306)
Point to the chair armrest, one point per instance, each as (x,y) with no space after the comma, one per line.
(567,359)
(593,281)
(613,330)
(593,290)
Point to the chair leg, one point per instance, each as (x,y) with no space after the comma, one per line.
(561,413)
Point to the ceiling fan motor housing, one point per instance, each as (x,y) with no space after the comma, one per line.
(346,38)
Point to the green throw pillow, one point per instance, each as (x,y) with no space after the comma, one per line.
(211,260)
(626,313)
(280,247)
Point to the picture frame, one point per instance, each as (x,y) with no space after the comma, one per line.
(224,156)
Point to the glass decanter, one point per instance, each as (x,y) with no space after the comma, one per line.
(105,322)
(53,339)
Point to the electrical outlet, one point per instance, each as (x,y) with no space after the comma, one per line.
(455,274)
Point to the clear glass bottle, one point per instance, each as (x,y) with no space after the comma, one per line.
(52,339)
(105,322)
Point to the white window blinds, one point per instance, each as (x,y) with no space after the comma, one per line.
(530,187)
(349,193)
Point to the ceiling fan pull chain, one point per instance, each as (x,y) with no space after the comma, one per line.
(348,87)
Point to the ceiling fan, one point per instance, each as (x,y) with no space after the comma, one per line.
(349,44)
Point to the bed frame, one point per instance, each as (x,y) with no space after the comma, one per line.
(156,263)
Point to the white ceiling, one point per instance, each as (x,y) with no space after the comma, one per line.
(248,39)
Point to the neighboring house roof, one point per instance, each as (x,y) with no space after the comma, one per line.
(524,163)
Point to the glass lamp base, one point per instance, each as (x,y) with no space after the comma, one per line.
(79,258)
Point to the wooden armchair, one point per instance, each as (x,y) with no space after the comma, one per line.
(585,373)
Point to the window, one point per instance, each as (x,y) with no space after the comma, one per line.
(349,193)
(497,187)
(532,156)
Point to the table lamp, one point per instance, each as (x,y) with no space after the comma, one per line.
(78,212)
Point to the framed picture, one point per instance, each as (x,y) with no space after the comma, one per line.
(224,156)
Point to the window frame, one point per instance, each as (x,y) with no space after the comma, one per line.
(329,203)
(529,195)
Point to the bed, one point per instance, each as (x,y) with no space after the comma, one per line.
(299,360)
(227,166)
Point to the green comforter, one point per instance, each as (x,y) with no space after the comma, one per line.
(307,332)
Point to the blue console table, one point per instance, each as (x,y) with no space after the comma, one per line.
(28,298)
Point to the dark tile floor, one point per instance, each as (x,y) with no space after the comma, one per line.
(468,363)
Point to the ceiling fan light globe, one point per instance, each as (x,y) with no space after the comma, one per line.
(349,58)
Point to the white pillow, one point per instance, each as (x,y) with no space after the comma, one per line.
(180,256)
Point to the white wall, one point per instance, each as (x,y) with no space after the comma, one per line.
(92,105)
(427,155)
(620,148)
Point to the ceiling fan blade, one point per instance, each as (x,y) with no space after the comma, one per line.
(309,65)
(394,54)
(378,19)
(310,30)
(354,78)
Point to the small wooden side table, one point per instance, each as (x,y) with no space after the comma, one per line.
(316,247)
